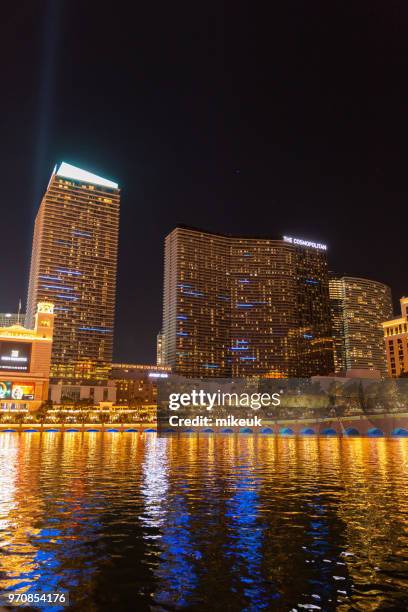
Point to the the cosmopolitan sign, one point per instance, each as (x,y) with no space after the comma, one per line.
(306,243)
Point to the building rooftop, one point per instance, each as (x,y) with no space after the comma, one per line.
(72,172)
(289,240)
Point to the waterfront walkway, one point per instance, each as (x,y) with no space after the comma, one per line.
(374,425)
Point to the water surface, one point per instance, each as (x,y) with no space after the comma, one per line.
(129,521)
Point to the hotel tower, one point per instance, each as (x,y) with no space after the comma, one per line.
(245,306)
(73,265)
(359,307)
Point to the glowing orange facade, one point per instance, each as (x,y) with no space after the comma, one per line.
(396,342)
(25,358)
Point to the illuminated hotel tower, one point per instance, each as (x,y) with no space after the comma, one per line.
(243,306)
(359,307)
(73,265)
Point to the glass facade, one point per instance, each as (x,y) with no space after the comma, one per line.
(239,306)
(73,265)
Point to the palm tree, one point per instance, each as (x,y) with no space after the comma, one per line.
(104,417)
(61,416)
(41,414)
(19,418)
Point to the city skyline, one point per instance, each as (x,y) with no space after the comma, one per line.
(203,328)
(85,175)
(234,122)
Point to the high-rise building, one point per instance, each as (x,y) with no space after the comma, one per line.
(245,306)
(161,349)
(359,306)
(73,265)
(396,342)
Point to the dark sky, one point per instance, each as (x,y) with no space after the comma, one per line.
(238,117)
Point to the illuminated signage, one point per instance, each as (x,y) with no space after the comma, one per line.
(305,243)
(158,375)
(5,390)
(22,391)
(16,391)
(15,356)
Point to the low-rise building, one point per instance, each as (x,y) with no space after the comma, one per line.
(136,384)
(89,394)
(25,358)
(396,342)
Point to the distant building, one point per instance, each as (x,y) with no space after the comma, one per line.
(25,358)
(161,349)
(93,394)
(136,385)
(73,264)
(337,299)
(396,342)
(245,306)
(8,318)
(359,306)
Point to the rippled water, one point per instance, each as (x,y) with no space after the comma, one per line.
(129,521)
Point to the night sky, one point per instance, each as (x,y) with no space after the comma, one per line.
(237,117)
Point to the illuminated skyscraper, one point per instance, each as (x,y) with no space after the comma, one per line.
(238,306)
(73,265)
(359,307)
